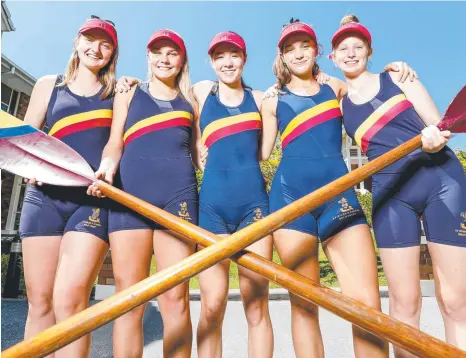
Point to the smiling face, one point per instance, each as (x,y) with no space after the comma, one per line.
(228,62)
(95,49)
(165,60)
(299,53)
(352,54)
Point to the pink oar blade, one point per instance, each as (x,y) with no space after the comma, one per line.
(30,153)
(27,165)
(454,119)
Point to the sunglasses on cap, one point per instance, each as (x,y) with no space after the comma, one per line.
(98,18)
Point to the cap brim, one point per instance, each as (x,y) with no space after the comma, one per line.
(103,29)
(280,44)
(212,48)
(163,37)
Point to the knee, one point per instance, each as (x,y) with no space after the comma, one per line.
(407,303)
(70,300)
(453,306)
(256,304)
(369,297)
(124,281)
(40,304)
(213,309)
(174,304)
(303,307)
(256,310)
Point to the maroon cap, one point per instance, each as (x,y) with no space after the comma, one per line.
(354,27)
(167,35)
(103,25)
(297,27)
(227,37)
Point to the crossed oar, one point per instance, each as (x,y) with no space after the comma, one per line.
(47,153)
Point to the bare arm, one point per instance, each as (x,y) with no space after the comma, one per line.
(113,150)
(40,98)
(269,127)
(339,87)
(201,91)
(417,94)
(433,139)
(197,149)
(125,83)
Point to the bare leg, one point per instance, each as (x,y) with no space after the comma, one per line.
(299,252)
(81,256)
(450,284)
(352,255)
(255,294)
(401,266)
(214,297)
(40,261)
(131,256)
(174,304)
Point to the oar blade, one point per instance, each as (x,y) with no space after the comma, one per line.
(30,153)
(22,163)
(454,119)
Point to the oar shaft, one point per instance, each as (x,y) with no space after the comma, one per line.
(105,311)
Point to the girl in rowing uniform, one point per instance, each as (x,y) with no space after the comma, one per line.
(379,114)
(64,231)
(150,140)
(233,191)
(232,195)
(308,118)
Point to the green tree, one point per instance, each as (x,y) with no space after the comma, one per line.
(366,202)
(269,167)
(461,154)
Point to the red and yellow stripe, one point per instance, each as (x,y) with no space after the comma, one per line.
(80,122)
(310,118)
(230,125)
(379,118)
(159,121)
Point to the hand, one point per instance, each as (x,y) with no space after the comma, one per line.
(204,154)
(33,181)
(272,91)
(403,69)
(322,78)
(105,172)
(433,139)
(125,83)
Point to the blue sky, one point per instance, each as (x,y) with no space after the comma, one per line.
(427,35)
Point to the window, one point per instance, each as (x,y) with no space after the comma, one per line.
(6,97)
(9,99)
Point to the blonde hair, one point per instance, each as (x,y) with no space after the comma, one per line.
(283,73)
(349,18)
(182,83)
(353,18)
(106,74)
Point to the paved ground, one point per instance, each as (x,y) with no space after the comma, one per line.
(336,332)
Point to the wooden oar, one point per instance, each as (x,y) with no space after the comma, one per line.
(355,312)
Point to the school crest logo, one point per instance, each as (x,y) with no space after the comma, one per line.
(95,216)
(257,214)
(183,212)
(463,224)
(345,206)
